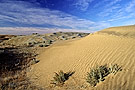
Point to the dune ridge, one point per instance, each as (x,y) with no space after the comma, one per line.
(90,51)
(126,31)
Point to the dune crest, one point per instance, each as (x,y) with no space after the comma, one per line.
(90,51)
(127,31)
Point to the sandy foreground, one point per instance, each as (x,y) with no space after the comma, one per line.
(109,46)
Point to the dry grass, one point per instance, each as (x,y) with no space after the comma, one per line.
(13,67)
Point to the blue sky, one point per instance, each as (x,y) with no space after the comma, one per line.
(67,14)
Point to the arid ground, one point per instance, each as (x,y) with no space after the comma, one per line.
(109,46)
(115,45)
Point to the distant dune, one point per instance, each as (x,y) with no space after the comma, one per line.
(114,45)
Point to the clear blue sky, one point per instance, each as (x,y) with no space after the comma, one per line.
(69,14)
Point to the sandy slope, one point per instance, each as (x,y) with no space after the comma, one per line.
(81,55)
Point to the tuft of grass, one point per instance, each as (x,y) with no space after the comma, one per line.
(100,72)
(114,68)
(60,77)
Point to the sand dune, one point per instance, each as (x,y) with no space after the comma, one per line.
(81,55)
(126,31)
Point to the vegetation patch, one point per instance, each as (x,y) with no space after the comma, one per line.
(114,68)
(60,77)
(100,72)
(14,63)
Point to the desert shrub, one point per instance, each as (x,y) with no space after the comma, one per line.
(46,45)
(97,74)
(50,41)
(54,33)
(60,77)
(44,41)
(41,45)
(100,72)
(114,68)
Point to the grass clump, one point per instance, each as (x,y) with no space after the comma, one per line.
(100,72)
(60,77)
(114,68)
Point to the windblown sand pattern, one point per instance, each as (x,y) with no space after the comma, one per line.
(110,46)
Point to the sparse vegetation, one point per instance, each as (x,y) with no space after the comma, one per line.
(13,66)
(100,72)
(60,77)
(38,40)
(114,68)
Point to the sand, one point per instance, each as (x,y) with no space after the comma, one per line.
(110,46)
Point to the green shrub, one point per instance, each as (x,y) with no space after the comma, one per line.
(97,74)
(100,72)
(60,77)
